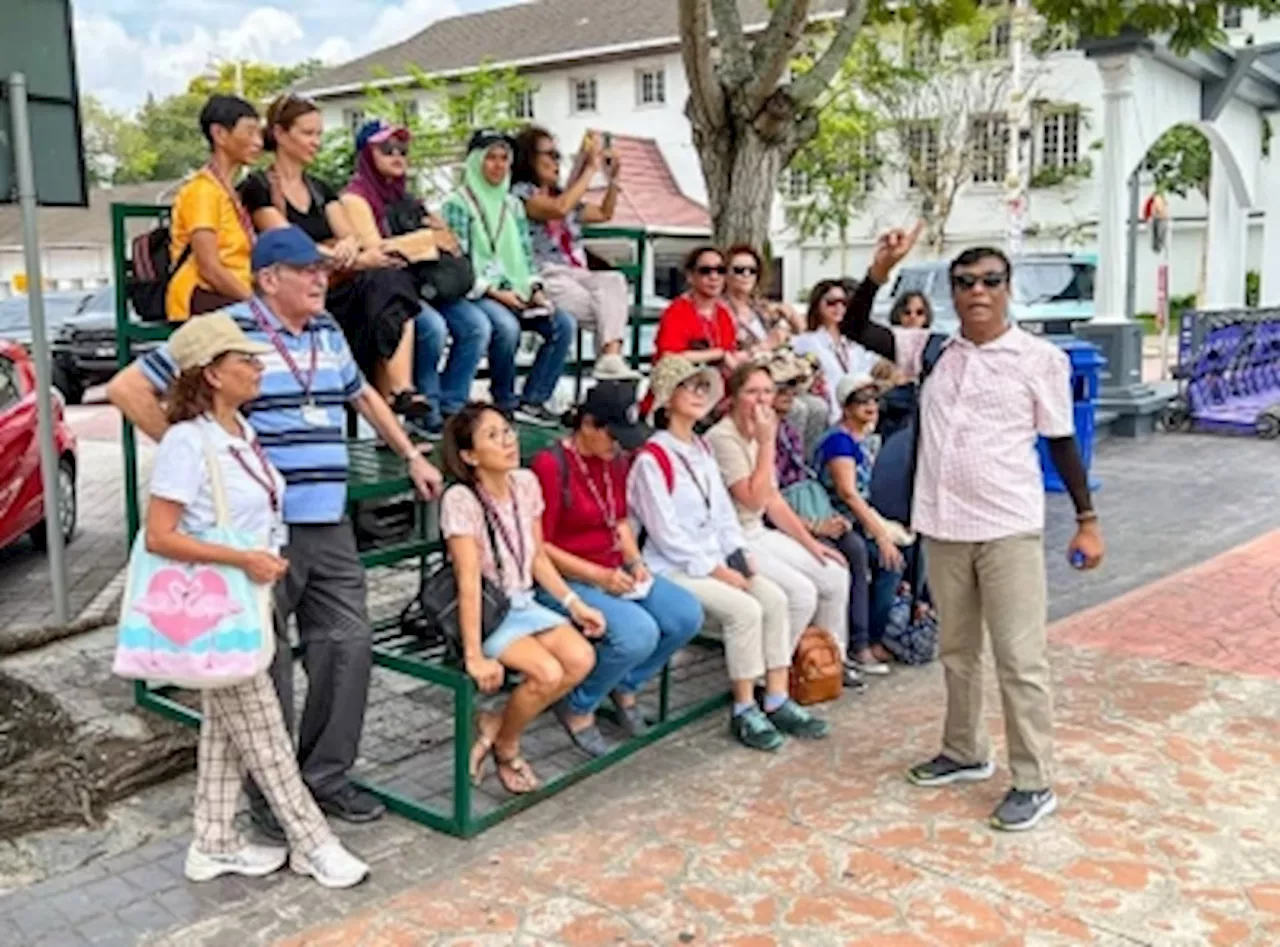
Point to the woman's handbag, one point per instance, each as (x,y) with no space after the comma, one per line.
(438,599)
(809,500)
(200,626)
(817,672)
(443,280)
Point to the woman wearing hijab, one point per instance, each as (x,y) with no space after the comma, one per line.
(493,232)
(378,193)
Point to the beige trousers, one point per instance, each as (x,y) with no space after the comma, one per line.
(596,298)
(998,588)
(757,631)
(817,592)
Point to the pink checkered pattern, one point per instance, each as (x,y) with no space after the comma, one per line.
(977,475)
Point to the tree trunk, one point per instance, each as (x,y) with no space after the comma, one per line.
(741,169)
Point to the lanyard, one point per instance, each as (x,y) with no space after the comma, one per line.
(304,383)
(266,481)
(606,504)
(493,235)
(705,492)
(841,352)
(246,222)
(516,547)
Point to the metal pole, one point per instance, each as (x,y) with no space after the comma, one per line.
(25,167)
(1131,261)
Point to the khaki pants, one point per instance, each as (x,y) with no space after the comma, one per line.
(757,632)
(596,298)
(996,587)
(817,592)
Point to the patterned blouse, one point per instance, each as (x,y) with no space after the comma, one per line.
(556,242)
(838,443)
(790,451)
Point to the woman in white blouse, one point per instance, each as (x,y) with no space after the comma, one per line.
(242,725)
(692,536)
(837,355)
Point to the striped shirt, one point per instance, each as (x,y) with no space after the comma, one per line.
(311,456)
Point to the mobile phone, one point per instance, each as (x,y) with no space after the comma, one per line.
(608,147)
(608,140)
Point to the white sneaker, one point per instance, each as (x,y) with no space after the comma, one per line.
(873,668)
(614,367)
(331,865)
(252,861)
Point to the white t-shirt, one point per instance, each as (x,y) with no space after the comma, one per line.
(181,474)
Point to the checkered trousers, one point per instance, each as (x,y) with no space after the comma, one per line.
(244,729)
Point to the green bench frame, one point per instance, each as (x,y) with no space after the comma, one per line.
(377,475)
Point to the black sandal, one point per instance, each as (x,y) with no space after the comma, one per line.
(410,404)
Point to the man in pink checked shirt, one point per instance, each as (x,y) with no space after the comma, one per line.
(978,501)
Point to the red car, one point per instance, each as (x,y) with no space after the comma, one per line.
(21,495)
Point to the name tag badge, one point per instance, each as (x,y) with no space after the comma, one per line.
(314,415)
(279,536)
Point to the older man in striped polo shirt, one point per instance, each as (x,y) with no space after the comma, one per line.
(307,379)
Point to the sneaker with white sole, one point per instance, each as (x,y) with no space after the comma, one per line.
(252,861)
(1022,809)
(331,865)
(613,367)
(942,770)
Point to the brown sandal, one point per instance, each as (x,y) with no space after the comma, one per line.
(525,781)
(483,747)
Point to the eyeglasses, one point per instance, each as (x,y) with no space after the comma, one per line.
(745,271)
(552,153)
(865,396)
(696,385)
(835,301)
(392,148)
(711,270)
(966,281)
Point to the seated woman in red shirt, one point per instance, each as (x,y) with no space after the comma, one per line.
(591,543)
(699,324)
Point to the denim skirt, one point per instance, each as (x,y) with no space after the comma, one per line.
(521,622)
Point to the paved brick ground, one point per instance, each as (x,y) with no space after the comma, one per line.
(1164,765)
(97,552)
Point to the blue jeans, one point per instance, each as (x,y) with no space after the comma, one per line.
(854,550)
(884,589)
(639,639)
(557,331)
(468,328)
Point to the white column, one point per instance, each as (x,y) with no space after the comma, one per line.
(1269,191)
(1117,162)
(1227,233)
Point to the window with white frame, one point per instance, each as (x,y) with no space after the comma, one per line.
(989,148)
(795,184)
(1059,138)
(651,87)
(1232,16)
(353,119)
(522,105)
(868,162)
(582,95)
(999,40)
(922,153)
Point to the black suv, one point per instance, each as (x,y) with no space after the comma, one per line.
(84,348)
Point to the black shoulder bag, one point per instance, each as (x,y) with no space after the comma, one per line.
(442,280)
(437,600)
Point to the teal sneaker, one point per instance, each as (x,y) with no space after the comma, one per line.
(752,729)
(795,721)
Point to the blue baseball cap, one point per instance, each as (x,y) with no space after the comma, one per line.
(376,131)
(288,246)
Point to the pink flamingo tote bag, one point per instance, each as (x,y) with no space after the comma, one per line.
(197,626)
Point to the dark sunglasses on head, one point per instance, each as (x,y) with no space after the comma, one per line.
(835,301)
(745,271)
(551,153)
(711,270)
(396,148)
(966,281)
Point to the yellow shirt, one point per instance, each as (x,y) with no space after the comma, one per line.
(204,204)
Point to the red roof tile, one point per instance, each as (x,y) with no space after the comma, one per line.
(650,196)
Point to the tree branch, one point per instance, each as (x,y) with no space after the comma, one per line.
(774,48)
(809,86)
(706,97)
(735,57)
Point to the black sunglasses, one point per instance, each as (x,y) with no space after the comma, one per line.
(698,385)
(745,271)
(390,148)
(711,270)
(967,281)
(862,397)
(553,154)
(835,301)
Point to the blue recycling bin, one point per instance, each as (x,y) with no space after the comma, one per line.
(1086,370)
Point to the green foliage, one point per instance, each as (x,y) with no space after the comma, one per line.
(1252,288)
(1054,175)
(441,121)
(1189,24)
(1180,161)
(163,140)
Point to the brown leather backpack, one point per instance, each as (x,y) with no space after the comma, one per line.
(817,673)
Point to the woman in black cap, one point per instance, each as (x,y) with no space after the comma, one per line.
(590,540)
